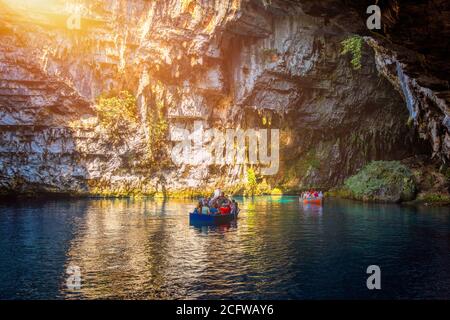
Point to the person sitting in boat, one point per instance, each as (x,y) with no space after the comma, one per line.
(223,201)
(313,194)
(225,204)
(214,198)
(214,209)
(202,208)
(225,209)
(205,210)
(234,207)
(198,208)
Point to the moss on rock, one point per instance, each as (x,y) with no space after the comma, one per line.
(386,181)
(434,198)
(276,192)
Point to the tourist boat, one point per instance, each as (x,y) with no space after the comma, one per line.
(215,218)
(312,200)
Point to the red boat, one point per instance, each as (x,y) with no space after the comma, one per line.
(313,200)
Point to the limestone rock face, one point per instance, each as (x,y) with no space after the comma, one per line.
(413,55)
(226,64)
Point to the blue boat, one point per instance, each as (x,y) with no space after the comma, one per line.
(214,218)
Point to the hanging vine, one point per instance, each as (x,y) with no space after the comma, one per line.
(353,45)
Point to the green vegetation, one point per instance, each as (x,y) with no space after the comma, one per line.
(353,45)
(434,198)
(252,184)
(157,127)
(276,192)
(387,181)
(338,192)
(117,113)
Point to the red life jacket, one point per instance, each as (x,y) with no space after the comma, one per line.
(225,210)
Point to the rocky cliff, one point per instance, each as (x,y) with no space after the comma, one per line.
(221,64)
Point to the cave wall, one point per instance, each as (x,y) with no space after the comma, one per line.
(225,63)
(412,51)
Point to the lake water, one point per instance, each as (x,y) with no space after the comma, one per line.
(278,249)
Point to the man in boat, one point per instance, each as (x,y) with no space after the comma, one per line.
(234,207)
(202,208)
(215,196)
(222,200)
(225,204)
(214,209)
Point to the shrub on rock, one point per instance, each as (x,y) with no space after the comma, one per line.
(386,181)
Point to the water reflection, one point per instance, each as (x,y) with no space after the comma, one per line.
(219,228)
(278,248)
(311,208)
(34,239)
(126,246)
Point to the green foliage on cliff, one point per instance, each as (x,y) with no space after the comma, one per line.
(434,198)
(117,111)
(387,181)
(157,128)
(353,45)
(255,185)
(118,114)
(252,184)
(276,192)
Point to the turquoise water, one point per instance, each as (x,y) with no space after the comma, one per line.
(278,249)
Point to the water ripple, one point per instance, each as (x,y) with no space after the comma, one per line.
(278,249)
